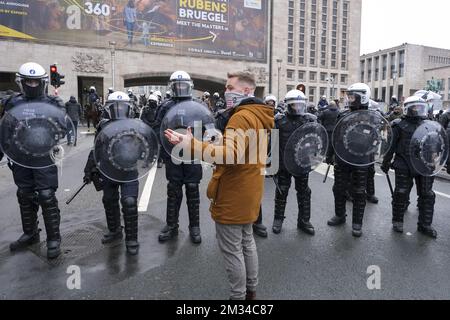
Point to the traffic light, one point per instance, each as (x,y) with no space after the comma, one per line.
(55,77)
(302,88)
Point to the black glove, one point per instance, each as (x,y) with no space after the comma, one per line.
(385,167)
(329,160)
(87,178)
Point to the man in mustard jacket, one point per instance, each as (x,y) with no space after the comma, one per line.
(237,186)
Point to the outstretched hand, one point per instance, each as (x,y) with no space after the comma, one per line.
(176,138)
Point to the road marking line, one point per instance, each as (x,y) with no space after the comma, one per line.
(146,193)
(442,194)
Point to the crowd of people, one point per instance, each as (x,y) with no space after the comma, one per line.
(236,220)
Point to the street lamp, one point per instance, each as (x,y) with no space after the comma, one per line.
(113,63)
(279,61)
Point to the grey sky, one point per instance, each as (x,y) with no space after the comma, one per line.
(389,23)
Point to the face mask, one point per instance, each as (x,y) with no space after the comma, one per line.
(233,99)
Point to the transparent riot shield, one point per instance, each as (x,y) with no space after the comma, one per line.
(35,135)
(362,137)
(306,149)
(193,115)
(125,150)
(429,148)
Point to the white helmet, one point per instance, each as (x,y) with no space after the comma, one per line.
(92,88)
(415,106)
(216,95)
(206,94)
(181,84)
(296,102)
(324,97)
(359,95)
(270,97)
(168,94)
(118,106)
(130,91)
(158,94)
(153,97)
(32,80)
(118,96)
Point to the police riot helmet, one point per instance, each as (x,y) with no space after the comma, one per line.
(32,80)
(416,107)
(181,84)
(118,106)
(296,102)
(358,96)
(270,98)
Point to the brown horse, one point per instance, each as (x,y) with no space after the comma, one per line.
(92,113)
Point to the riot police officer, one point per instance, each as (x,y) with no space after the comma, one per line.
(271,100)
(36,187)
(444,119)
(189,175)
(93,97)
(405,171)
(218,103)
(118,107)
(349,175)
(295,117)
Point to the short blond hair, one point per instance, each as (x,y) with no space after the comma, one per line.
(244,76)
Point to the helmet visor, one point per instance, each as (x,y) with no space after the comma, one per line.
(181,89)
(417,109)
(119,110)
(297,107)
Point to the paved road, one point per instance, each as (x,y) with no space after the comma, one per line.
(330,265)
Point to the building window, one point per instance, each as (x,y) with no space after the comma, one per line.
(401,64)
(375,94)
(369,70)
(346,8)
(377,68)
(384,75)
(363,68)
(290,57)
(290,74)
(301,75)
(312,76)
(323,91)
(393,69)
(343,79)
(312,94)
(323,77)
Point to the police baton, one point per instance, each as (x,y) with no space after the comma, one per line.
(390,184)
(76,193)
(326,174)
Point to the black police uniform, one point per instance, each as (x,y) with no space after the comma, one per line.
(287,124)
(129,192)
(444,120)
(37,187)
(353,177)
(328,119)
(405,175)
(189,175)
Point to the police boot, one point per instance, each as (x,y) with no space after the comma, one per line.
(52,219)
(340,209)
(280,206)
(258,228)
(193,204)
(112,211)
(371,186)
(130,219)
(304,212)
(426,215)
(174,197)
(358,215)
(28,211)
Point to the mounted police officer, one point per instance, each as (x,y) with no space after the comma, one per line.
(189,175)
(410,147)
(127,147)
(36,187)
(347,173)
(296,116)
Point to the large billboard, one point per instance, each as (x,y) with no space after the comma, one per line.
(220,28)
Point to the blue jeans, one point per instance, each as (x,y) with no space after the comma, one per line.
(130,30)
(72,137)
